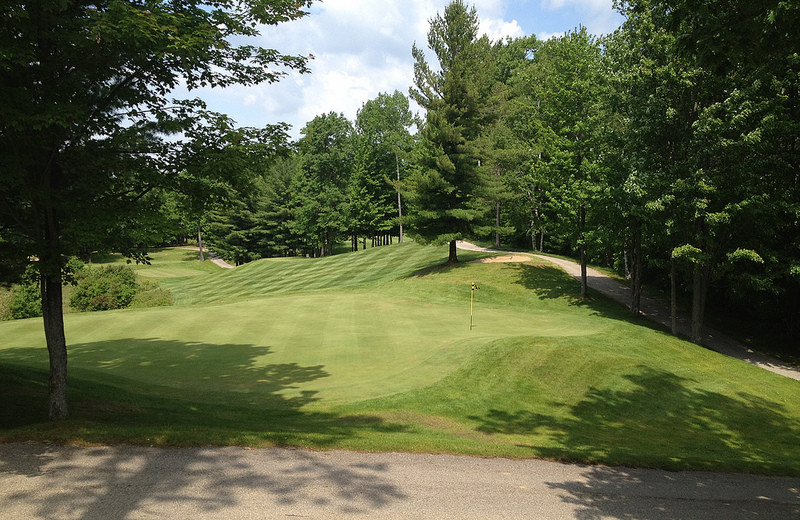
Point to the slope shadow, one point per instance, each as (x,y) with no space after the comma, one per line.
(550,282)
(227,389)
(662,420)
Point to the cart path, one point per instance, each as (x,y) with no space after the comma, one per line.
(659,312)
(55,482)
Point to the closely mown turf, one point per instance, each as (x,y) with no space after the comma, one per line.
(373,351)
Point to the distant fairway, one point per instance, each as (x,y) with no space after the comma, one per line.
(373,351)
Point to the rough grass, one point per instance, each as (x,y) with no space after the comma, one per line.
(373,351)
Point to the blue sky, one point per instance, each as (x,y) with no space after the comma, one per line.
(363,47)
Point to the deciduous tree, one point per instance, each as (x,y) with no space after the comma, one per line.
(85,109)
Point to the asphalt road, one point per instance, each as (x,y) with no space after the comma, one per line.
(124,482)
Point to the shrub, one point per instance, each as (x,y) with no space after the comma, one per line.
(111,287)
(26,301)
(6,297)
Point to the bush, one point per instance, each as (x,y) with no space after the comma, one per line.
(107,288)
(6,297)
(26,301)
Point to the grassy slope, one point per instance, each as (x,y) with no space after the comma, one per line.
(373,351)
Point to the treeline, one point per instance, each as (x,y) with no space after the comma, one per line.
(667,150)
(337,183)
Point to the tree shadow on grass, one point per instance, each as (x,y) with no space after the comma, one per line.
(663,420)
(549,282)
(171,393)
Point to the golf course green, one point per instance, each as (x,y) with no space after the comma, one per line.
(374,350)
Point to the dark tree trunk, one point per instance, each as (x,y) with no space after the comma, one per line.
(582,244)
(399,203)
(636,271)
(533,238)
(453,259)
(673,296)
(200,241)
(699,291)
(53,318)
(497,223)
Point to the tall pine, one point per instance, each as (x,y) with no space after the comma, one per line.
(443,189)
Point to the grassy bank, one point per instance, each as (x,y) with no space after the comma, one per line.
(373,351)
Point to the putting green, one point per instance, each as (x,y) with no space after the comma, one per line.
(368,344)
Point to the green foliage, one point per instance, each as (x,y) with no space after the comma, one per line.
(27,297)
(6,296)
(105,288)
(382,136)
(444,186)
(320,197)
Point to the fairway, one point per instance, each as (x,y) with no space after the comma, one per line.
(373,351)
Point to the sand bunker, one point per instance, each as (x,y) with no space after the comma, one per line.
(498,259)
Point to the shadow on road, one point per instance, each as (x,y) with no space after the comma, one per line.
(657,495)
(112,482)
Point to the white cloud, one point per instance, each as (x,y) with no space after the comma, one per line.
(497,29)
(598,16)
(360,48)
(548,36)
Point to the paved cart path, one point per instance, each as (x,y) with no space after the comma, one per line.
(660,313)
(123,482)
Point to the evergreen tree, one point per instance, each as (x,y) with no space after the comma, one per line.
(321,196)
(444,188)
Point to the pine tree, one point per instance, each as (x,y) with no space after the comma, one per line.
(444,187)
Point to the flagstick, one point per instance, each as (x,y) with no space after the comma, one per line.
(471,294)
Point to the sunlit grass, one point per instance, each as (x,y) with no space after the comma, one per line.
(373,351)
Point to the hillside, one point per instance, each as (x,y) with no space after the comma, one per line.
(373,351)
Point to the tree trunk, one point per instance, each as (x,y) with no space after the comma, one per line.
(636,271)
(453,259)
(533,237)
(673,296)
(497,223)
(200,241)
(399,204)
(582,245)
(699,291)
(53,318)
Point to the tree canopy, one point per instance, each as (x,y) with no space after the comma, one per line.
(88,127)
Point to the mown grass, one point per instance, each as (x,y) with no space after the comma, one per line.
(373,351)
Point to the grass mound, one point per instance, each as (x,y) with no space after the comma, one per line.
(373,351)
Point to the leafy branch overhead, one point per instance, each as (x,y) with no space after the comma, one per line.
(89,130)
